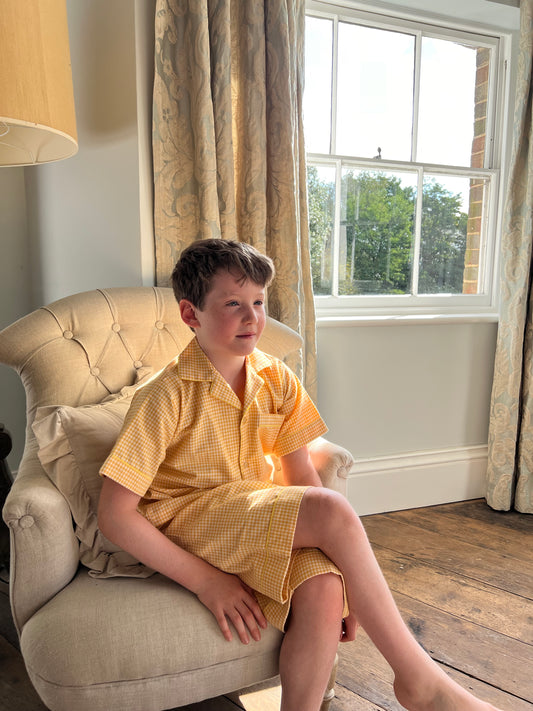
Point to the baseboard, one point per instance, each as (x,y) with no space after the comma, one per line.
(416,479)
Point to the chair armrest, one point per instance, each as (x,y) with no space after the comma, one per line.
(44,553)
(332,463)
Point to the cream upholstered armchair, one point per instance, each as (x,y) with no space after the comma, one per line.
(106,633)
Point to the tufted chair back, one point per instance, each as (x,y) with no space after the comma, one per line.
(81,348)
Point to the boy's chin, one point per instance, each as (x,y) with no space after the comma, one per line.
(247,343)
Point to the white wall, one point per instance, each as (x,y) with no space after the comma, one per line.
(387,390)
(15,294)
(84,212)
(411,403)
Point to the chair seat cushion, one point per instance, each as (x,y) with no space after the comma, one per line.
(136,644)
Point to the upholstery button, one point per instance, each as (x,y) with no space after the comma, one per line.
(95,371)
(160,325)
(116,327)
(26,521)
(137,364)
(68,334)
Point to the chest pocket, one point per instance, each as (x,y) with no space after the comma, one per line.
(268,429)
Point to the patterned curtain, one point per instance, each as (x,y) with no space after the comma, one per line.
(510,473)
(229,157)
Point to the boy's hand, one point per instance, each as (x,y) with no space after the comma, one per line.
(349,628)
(227,597)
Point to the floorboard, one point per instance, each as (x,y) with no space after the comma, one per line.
(16,692)
(462,577)
(450,554)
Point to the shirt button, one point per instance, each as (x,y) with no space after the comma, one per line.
(116,327)
(137,364)
(160,325)
(68,334)
(95,371)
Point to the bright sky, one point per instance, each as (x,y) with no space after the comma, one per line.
(375,96)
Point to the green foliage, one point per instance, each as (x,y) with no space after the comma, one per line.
(379,224)
(321,197)
(376,235)
(443,243)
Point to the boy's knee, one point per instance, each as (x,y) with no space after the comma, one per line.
(329,508)
(325,519)
(321,596)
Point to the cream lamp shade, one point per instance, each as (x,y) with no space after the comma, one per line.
(37,118)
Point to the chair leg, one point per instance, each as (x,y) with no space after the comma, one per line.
(330,691)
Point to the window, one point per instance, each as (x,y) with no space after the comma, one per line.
(403,146)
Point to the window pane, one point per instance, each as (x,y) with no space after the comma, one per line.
(453,103)
(321,196)
(452,227)
(317,93)
(376,233)
(374,92)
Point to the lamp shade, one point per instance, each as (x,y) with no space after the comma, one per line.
(37,117)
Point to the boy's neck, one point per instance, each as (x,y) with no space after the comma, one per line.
(238,384)
(233,371)
(235,376)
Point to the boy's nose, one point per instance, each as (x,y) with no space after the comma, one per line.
(250,316)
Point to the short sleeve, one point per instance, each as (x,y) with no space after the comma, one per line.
(141,447)
(302,422)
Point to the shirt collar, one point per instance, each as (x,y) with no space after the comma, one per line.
(259,360)
(193,364)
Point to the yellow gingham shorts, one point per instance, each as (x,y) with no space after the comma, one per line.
(247,528)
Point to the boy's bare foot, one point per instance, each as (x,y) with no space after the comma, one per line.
(442,694)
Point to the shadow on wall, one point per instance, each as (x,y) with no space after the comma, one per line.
(102,62)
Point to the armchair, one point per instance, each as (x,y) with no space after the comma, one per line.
(107,633)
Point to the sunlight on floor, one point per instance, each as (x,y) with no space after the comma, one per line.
(262,697)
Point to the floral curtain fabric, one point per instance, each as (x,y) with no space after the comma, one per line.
(510,471)
(228,147)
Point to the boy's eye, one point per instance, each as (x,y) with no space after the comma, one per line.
(259,302)
(232,303)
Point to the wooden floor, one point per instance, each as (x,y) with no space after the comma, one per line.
(462,576)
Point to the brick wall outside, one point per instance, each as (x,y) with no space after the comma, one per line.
(474,224)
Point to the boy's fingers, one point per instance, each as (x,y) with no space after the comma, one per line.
(238,623)
(349,629)
(224,627)
(244,621)
(236,605)
(256,610)
(251,622)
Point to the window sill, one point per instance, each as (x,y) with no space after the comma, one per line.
(339,321)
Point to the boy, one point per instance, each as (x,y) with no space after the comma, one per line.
(187,491)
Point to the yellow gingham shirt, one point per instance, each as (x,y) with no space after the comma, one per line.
(187,430)
(196,457)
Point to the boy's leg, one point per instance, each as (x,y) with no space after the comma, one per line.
(327,521)
(310,643)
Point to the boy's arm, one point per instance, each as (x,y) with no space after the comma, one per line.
(298,470)
(226,596)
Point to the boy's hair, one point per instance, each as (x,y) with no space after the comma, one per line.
(198,263)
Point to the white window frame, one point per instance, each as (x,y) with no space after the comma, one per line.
(409,307)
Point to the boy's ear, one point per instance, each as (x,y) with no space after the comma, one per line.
(188,313)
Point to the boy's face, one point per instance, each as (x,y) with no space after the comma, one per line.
(232,319)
